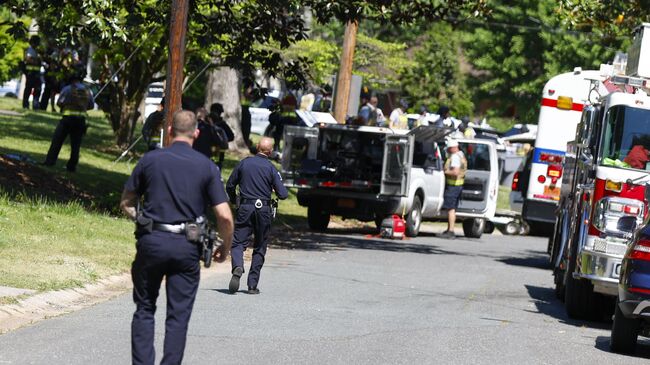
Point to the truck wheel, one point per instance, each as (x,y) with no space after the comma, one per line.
(474,227)
(317,219)
(414,218)
(511,228)
(579,299)
(624,333)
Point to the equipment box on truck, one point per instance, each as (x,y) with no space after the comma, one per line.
(369,173)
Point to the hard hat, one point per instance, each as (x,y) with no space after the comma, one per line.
(452,143)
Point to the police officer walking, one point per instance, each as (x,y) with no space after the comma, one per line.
(177,184)
(74,100)
(257,179)
(32,68)
(455,169)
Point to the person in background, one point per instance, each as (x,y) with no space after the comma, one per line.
(257,179)
(369,111)
(247,97)
(32,69)
(74,101)
(454,169)
(398,115)
(283,117)
(152,128)
(444,117)
(52,82)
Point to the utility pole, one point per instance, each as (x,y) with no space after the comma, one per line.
(345,72)
(175,63)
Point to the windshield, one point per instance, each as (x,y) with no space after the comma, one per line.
(477,155)
(626,141)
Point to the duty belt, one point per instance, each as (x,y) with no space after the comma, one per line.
(173,228)
(257,202)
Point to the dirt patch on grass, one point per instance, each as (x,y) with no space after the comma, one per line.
(18,175)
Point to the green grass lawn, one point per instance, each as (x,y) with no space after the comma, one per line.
(54,238)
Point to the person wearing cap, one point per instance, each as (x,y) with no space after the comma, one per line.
(455,169)
(443,117)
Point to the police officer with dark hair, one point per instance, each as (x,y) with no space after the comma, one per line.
(257,179)
(177,184)
(74,100)
(32,69)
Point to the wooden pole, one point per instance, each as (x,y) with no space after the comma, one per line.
(345,72)
(175,63)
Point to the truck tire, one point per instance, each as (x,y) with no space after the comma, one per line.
(511,228)
(624,333)
(317,219)
(414,218)
(579,299)
(473,227)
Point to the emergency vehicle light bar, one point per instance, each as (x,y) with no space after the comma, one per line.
(627,80)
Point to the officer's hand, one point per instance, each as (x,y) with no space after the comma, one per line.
(220,255)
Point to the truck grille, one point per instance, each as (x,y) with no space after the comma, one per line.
(610,248)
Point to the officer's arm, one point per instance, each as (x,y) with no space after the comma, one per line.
(63,96)
(225,227)
(231,185)
(128,203)
(278,186)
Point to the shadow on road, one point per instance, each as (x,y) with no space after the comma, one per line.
(534,259)
(547,304)
(310,241)
(642,347)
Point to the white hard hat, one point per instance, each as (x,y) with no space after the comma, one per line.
(452,143)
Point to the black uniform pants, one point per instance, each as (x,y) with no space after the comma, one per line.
(32,82)
(75,126)
(251,220)
(49,92)
(170,255)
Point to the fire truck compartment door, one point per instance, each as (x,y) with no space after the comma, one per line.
(396,167)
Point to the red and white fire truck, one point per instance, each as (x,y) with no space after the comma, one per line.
(605,170)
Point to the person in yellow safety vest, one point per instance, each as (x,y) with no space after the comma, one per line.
(74,100)
(455,169)
(32,68)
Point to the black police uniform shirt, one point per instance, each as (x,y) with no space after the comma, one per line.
(177,182)
(255,177)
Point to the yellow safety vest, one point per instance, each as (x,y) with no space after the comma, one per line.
(460,179)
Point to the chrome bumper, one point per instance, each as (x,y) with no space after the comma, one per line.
(601,269)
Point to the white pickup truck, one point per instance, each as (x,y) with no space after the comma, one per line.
(369,173)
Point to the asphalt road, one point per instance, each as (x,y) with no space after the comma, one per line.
(344,298)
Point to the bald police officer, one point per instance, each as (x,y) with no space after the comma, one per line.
(257,179)
(177,184)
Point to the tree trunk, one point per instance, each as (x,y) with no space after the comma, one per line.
(223,87)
